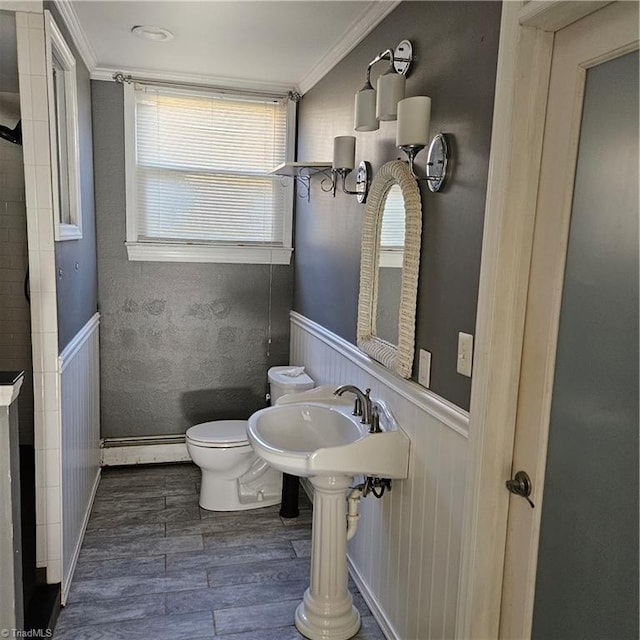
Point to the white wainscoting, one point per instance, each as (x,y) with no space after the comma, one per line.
(405,556)
(79,379)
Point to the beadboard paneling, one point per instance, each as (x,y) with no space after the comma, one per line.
(80,454)
(406,553)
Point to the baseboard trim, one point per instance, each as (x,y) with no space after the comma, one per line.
(68,579)
(146,450)
(382,620)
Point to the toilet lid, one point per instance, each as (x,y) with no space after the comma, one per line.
(219,433)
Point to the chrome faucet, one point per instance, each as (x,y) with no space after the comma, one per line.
(375,420)
(363,401)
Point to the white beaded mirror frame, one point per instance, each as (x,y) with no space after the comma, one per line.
(398,358)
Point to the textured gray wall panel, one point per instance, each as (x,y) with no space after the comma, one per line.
(180,343)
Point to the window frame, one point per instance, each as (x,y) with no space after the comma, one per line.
(55,44)
(164,251)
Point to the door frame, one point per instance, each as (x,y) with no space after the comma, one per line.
(522,86)
(607,35)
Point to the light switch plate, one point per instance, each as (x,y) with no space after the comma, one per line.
(424,368)
(465,354)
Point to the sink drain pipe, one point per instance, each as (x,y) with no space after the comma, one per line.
(376,486)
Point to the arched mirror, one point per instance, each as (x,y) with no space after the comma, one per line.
(389,264)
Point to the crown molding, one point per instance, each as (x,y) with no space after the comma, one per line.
(71,21)
(106,73)
(26,6)
(354,34)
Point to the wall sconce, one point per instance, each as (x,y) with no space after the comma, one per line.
(371,105)
(414,117)
(344,159)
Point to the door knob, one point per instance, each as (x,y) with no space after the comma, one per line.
(521,486)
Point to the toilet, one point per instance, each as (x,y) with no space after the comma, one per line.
(234,478)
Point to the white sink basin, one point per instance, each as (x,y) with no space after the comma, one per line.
(313,434)
(316,439)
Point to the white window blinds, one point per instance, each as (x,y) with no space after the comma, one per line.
(392,229)
(202,164)
(392,233)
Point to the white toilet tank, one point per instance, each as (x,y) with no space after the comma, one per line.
(280,383)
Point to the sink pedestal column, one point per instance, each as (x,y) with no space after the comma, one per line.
(326,611)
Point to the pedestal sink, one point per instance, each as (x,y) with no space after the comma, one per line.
(316,436)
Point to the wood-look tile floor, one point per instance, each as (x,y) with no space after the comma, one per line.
(154,566)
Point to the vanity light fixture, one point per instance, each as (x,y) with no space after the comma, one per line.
(372,105)
(344,159)
(414,116)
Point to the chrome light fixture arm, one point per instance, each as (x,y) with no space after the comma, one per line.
(400,60)
(437,161)
(375,105)
(388,54)
(363,181)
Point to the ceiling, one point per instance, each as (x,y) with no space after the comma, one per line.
(287,44)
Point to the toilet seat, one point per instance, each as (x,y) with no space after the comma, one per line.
(222,434)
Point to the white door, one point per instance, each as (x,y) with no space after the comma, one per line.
(589,44)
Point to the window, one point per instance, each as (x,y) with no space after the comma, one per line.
(63,133)
(198,183)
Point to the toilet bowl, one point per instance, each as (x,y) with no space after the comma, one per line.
(230,468)
(234,478)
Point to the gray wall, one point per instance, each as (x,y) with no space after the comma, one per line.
(587,580)
(77,283)
(9,55)
(456,46)
(179,343)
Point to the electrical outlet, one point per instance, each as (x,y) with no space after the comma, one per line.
(465,354)
(424,368)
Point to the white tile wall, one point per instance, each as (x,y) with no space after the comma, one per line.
(406,553)
(66,389)
(37,173)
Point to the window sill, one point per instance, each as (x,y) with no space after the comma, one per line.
(68,232)
(151,252)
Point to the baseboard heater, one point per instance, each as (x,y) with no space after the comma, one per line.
(144,450)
